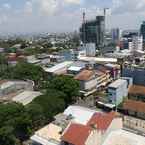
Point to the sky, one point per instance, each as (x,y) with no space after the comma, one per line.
(26,16)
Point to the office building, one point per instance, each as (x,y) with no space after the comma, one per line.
(93,31)
(142,31)
(137,43)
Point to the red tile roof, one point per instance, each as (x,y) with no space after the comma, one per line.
(76,134)
(102,121)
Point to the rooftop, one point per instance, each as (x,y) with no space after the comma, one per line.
(136,106)
(137,90)
(85,75)
(102,121)
(58,66)
(122,137)
(26,97)
(50,133)
(74,68)
(117,83)
(98,59)
(80,114)
(76,134)
(6,84)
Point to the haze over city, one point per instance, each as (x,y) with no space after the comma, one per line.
(23,16)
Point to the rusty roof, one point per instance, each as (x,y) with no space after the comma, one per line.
(101,120)
(85,75)
(133,105)
(137,90)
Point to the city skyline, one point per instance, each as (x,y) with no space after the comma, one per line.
(66,15)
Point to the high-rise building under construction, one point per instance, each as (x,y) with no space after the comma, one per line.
(93,31)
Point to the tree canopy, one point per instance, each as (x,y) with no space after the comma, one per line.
(67,85)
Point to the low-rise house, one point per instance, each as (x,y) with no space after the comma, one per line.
(94,132)
(91,80)
(135,108)
(88,81)
(52,133)
(78,126)
(117,91)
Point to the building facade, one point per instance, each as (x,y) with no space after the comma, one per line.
(142,31)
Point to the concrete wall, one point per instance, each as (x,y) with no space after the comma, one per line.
(134,123)
(88,85)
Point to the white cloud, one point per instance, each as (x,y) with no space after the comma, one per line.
(60,15)
(128,6)
(28,8)
(73,1)
(6,6)
(47,7)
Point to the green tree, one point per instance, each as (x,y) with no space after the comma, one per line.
(52,103)
(7,137)
(25,71)
(16,116)
(37,115)
(67,85)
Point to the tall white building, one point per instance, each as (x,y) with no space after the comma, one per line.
(130,46)
(137,43)
(90,49)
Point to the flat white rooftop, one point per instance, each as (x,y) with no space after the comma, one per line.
(117,83)
(122,137)
(74,68)
(26,97)
(58,66)
(80,114)
(6,84)
(97,59)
